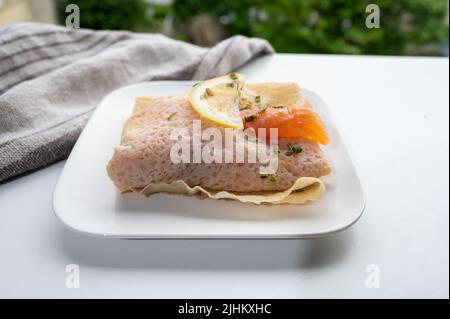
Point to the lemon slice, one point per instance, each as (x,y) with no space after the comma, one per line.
(217,100)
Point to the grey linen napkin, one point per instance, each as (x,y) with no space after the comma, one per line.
(52,78)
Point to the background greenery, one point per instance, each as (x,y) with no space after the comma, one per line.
(416,27)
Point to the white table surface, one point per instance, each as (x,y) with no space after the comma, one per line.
(394,114)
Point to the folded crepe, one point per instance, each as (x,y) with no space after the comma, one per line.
(142,161)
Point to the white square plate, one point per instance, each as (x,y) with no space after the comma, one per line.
(86,201)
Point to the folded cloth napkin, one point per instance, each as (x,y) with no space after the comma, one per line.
(52,78)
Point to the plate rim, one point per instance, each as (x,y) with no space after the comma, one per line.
(85,231)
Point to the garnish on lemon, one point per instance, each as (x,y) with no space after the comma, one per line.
(218,100)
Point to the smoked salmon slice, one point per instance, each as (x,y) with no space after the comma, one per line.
(291,122)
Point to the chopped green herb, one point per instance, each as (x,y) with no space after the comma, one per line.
(171,116)
(230,85)
(245,101)
(271,178)
(276,150)
(208,92)
(234,76)
(251,118)
(263,109)
(258,99)
(196,84)
(293,150)
(278,107)
(247,107)
(238,92)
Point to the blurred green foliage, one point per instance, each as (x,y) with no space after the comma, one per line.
(326,26)
(109,14)
(309,26)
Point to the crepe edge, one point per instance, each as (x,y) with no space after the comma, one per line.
(305,189)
